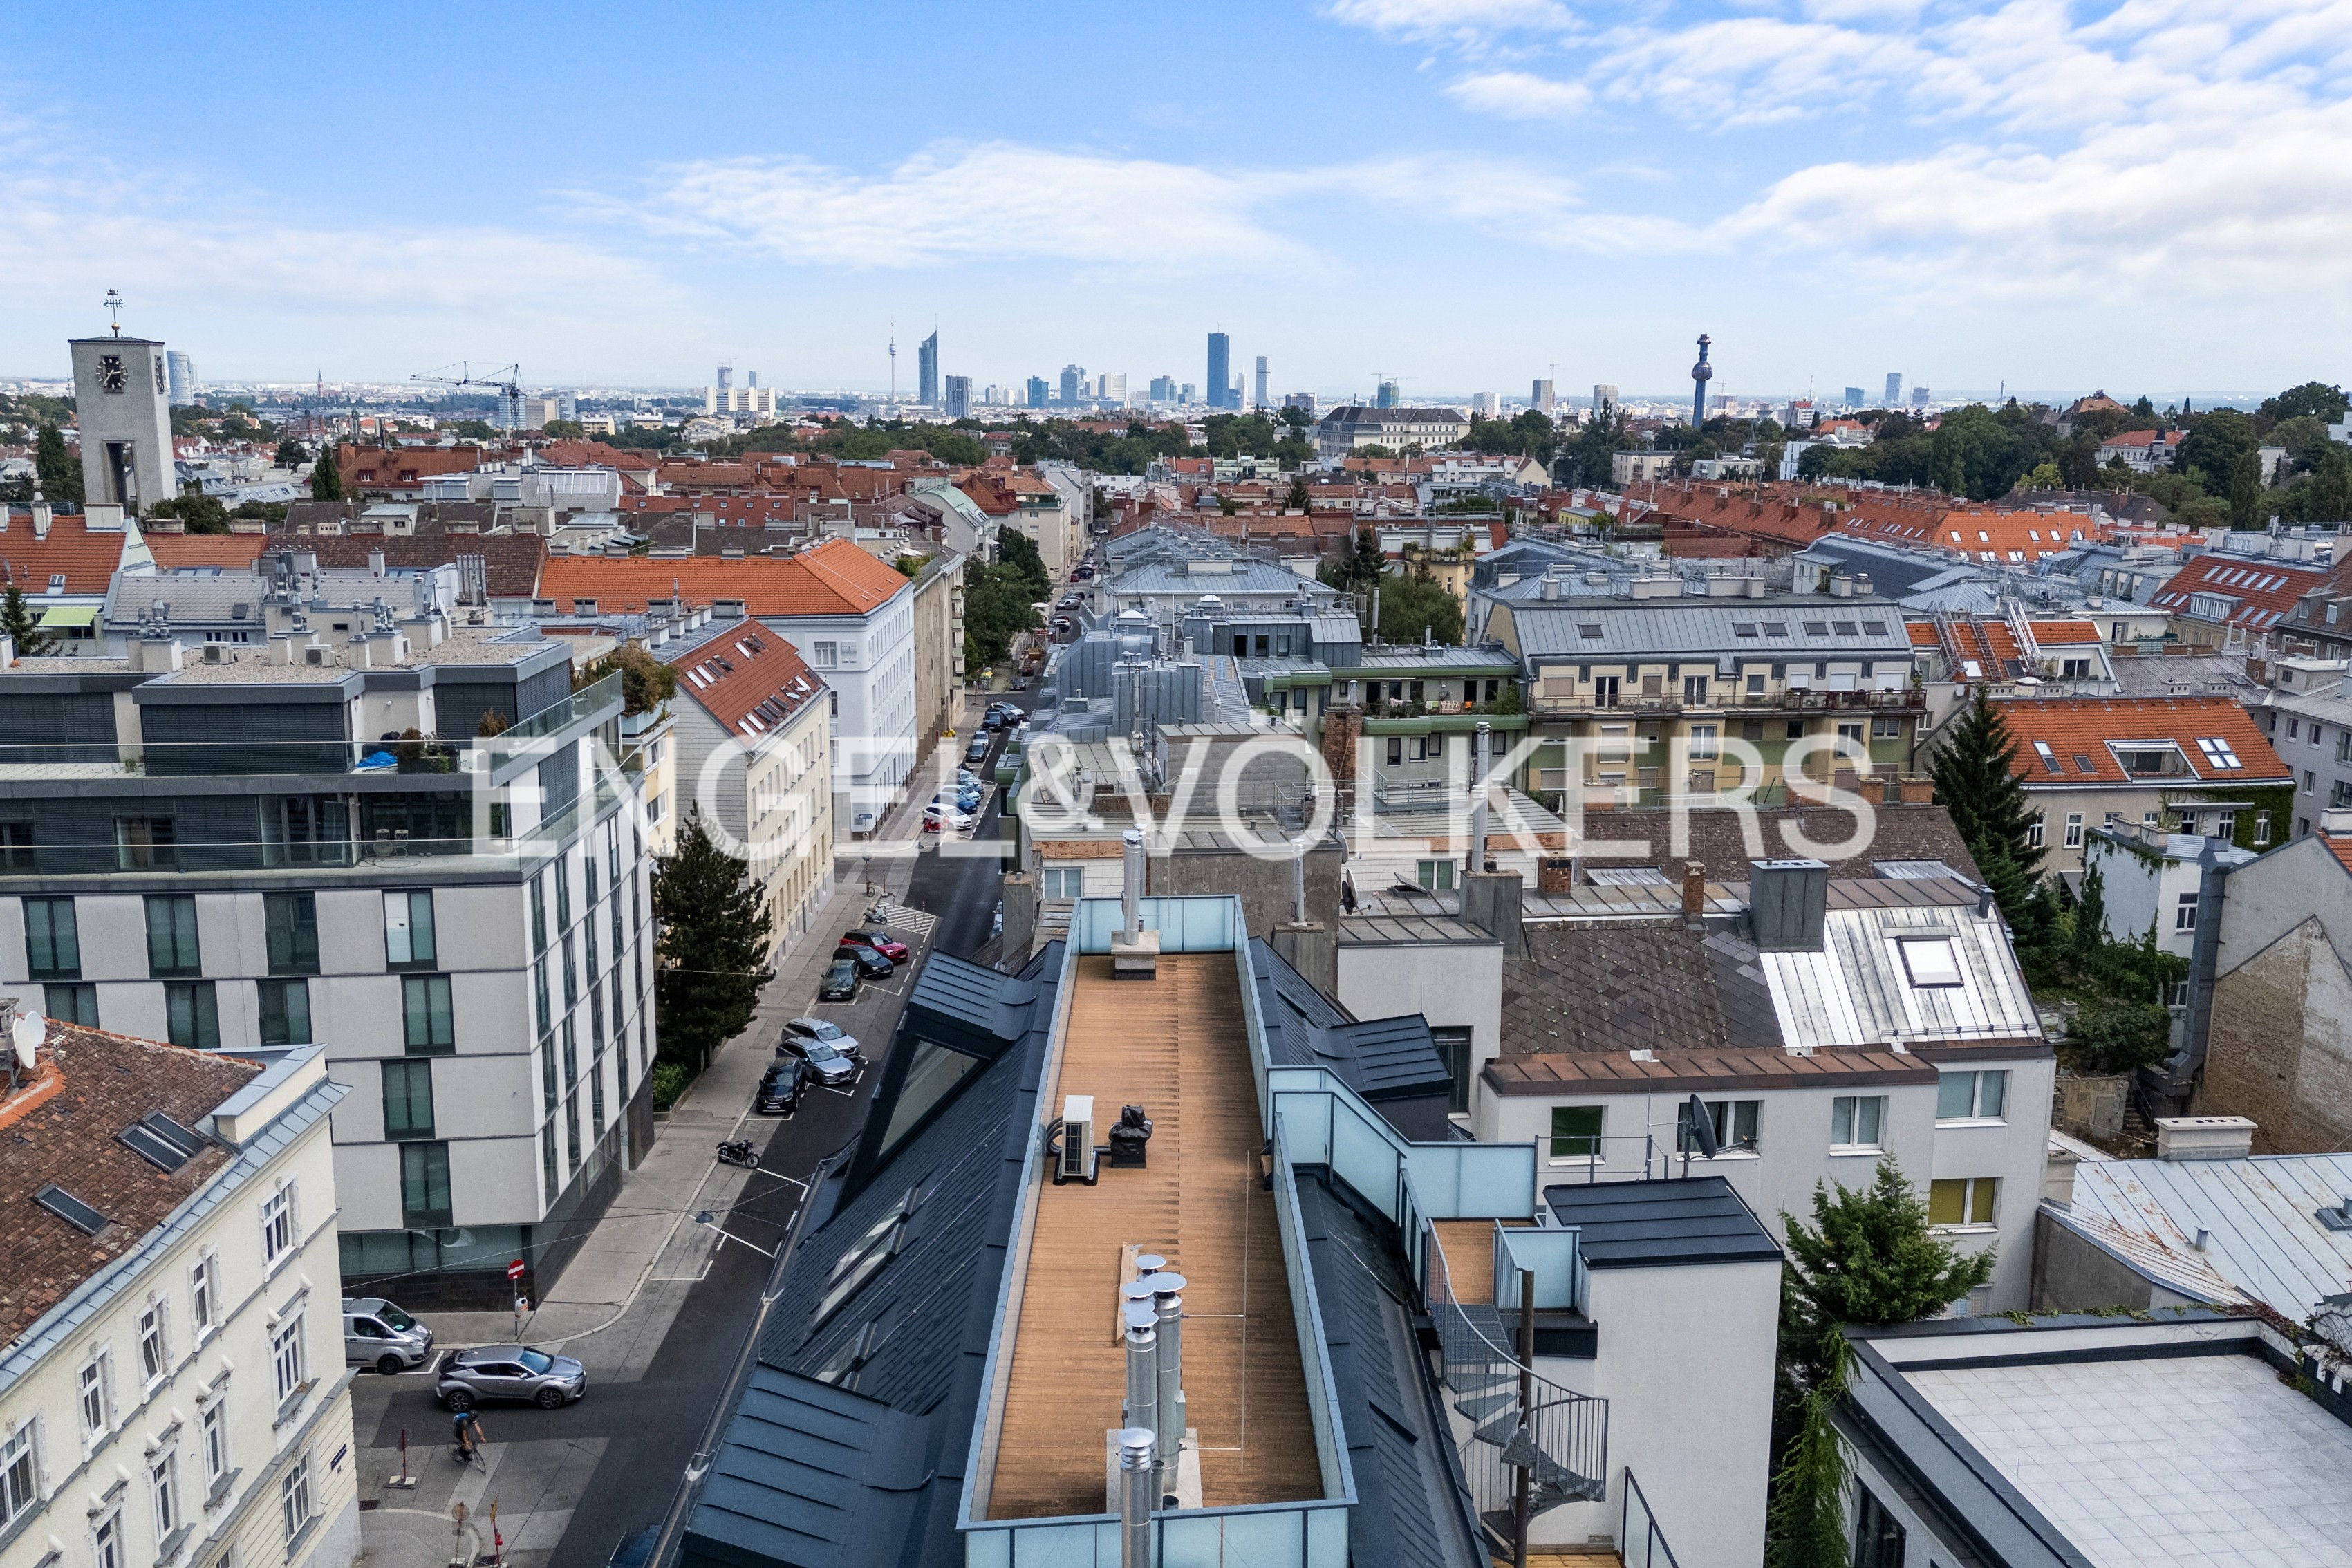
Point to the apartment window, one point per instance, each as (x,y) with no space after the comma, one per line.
(571,973)
(539,991)
(407,1099)
(2035,833)
(277,1224)
(17,846)
(2225,825)
(20,1483)
(1454,1050)
(546,1074)
(408,930)
(1971,1096)
(547,1160)
(1576,1132)
(571,1131)
(294,1500)
(825,655)
(292,921)
(155,1353)
(1886,729)
(1756,685)
(164,1494)
(1796,730)
(1063,882)
(215,1437)
(143,844)
(424,1006)
(1967,1200)
(596,1099)
(1694,691)
(71,1003)
(571,1054)
(2074,830)
(2262,828)
(1851,731)
(1437,875)
(106,1541)
(1703,743)
(1854,1120)
(424,1185)
(94,1393)
(52,942)
(192,1014)
(1733,1123)
(1877,1538)
(2184,912)
(285,1012)
(201,1283)
(539,914)
(1605,690)
(171,936)
(1396,750)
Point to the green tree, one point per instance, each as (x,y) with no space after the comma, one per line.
(290,454)
(199,512)
(59,471)
(1415,604)
(2328,498)
(1296,498)
(2246,490)
(24,628)
(327,475)
(646,681)
(708,961)
(2090,914)
(2316,398)
(1976,780)
(1868,1260)
(1019,552)
(2212,444)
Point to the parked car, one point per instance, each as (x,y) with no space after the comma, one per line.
(636,1547)
(780,1087)
(819,1060)
(968,799)
(378,1334)
(1020,683)
(829,1033)
(939,812)
(471,1377)
(881,942)
(978,751)
(870,963)
(840,981)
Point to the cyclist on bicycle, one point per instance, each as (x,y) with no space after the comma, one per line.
(465,1428)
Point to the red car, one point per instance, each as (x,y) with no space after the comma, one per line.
(880,941)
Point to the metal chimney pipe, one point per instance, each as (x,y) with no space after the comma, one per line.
(1135,1466)
(1299,881)
(1479,741)
(1131,884)
(1142,1366)
(1168,1303)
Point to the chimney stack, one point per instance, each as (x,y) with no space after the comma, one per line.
(1142,1366)
(1693,890)
(1168,1304)
(1134,951)
(1135,1483)
(1479,742)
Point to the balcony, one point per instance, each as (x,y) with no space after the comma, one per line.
(1788,699)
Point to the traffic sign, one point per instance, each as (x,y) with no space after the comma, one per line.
(514,1269)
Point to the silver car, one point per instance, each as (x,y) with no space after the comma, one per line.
(471,1377)
(378,1334)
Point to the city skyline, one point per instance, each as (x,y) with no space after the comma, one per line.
(1981,196)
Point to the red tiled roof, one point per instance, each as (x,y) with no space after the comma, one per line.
(2262,593)
(511,562)
(401,467)
(834,578)
(750,679)
(86,560)
(2070,731)
(229,552)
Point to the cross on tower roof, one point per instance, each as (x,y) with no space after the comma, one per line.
(114,311)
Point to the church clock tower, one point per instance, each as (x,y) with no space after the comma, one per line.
(122,399)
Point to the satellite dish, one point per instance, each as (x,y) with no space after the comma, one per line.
(26,1033)
(1702,1129)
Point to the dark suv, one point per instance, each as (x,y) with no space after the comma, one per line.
(780,1087)
(840,981)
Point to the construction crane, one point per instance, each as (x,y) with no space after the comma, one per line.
(505,378)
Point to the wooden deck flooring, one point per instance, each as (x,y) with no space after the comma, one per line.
(1177,1047)
(1469,1246)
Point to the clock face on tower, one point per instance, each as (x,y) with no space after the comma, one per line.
(111,376)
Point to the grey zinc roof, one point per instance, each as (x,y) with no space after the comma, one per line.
(1703,628)
(1389,659)
(1157,579)
(1647,1225)
(2260,1212)
(1411,1509)
(1383,1058)
(1856,992)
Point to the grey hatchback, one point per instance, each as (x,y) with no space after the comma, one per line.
(470,1377)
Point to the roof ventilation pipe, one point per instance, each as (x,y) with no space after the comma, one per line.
(1479,747)
(1143,1370)
(1135,1470)
(1130,888)
(1168,1303)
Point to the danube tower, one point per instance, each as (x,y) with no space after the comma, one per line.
(1701,374)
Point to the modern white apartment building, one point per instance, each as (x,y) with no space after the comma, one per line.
(172,1381)
(316,842)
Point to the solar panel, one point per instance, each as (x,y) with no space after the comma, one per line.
(70,1209)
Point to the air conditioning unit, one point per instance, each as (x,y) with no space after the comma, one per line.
(314,654)
(1077,1160)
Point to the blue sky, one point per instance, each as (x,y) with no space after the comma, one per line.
(2151,195)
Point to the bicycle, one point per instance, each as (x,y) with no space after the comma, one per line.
(469,1457)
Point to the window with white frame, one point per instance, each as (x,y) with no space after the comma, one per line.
(1437,875)
(106,1541)
(94,1393)
(294,1500)
(2262,828)
(202,1285)
(2034,832)
(2074,830)
(277,1225)
(286,1358)
(1971,1096)
(20,1475)
(1963,1201)
(1733,1123)
(164,1493)
(216,1435)
(1063,882)
(1576,1132)
(2184,912)
(1703,742)
(154,1352)
(1854,1120)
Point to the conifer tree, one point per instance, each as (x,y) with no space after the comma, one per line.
(1976,783)
(710,958)
(17,620)
(327,476)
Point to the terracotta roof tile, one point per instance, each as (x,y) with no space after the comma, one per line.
(229,552)
(86,560)
(2260,593)
(2076,730)
(834,578)
(750,679)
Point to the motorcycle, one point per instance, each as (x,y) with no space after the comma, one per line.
(738,1152)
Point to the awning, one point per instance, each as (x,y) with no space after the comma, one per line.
(70,616)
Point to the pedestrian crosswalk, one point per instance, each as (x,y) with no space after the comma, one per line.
(911,923)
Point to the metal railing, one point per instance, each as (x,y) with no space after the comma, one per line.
(1786,699)
(1648,1549)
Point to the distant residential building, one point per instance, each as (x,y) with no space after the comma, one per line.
(1074,384)
(2306,715)
(1792,454)
(1163,389)
(1189,393)
(539,412)
(1604,395)
(1111,388)
(1717,470)
(926,372)
(959,397)
(1353,426)
(2153,881)
(1486,405)
(1220,349)
(1920,396)
(1302,401)
(174,1387)
(1540,396)
(1038,392)
(1635,468)
(726,378)
(938,646)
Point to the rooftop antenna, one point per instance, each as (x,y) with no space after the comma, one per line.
(114,311)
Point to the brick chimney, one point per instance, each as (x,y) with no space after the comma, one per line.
(1693,890)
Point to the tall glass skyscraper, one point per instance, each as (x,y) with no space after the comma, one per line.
(926,372)
(1221,378)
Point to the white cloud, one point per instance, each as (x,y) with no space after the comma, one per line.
(1520,95)
(1460,21)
